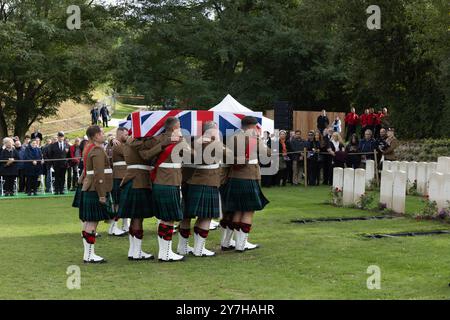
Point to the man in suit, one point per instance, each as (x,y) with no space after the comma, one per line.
(104,112)
(59,150)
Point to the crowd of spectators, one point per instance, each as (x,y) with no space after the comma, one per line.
(31,164)
(326,148)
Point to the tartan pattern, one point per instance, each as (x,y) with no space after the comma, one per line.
(167,202)
(202,202)
(116,191)
(92,210)
(77,198)
(243,195)
(135,203)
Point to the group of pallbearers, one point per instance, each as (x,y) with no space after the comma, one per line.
(148,179)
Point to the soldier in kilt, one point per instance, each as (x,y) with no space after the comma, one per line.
(202,200)
(119,171)
(243,194)
(95,204)
(136,193)
(167,179)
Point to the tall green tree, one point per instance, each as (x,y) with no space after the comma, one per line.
(43,63)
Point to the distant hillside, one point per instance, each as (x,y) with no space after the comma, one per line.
(71,116)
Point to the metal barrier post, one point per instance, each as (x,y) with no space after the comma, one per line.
(305,166)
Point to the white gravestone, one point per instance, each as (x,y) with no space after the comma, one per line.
(360,185)
(422,178)
(436,189)
(403,166)
(349,181)
(338,178)
(387,183)
(443,165)
(387,165)
(399,192)
(370,172)
(446,191)
(395,166)
(431,168)
(412,171)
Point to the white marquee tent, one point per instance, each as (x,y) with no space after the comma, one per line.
(229,104)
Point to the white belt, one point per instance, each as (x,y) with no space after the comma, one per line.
(208,167)
(140,167)
(119,163)
(107,171)
(255,161)
(170,165)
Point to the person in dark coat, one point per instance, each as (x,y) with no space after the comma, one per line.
(104,112)
(59,151)
(47,166)
(284,148)
(20,176)
(33,167)
(297,145)
(267,180)
(367,145)
(94,116)
(353,160)
(8,166)
(314,158)
(36,134)
(323,121)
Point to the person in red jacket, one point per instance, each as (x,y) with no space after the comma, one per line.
(371,120)
(378,119)
(351,121)
(364,122)
(73,173)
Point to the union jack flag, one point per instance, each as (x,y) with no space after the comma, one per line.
(151,123)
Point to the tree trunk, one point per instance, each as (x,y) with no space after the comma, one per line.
(21,123)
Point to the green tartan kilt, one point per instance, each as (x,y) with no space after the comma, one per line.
(92,210)
(222,190)
(167,202)
(202,202)
(77,198)
(116,191)
(135,203)
(243,195)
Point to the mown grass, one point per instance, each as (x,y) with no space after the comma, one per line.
(123,110)
(40,239)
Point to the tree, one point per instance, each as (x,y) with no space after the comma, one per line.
(43,63)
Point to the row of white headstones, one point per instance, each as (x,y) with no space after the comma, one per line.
(432,179)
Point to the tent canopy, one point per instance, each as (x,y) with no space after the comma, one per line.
(229,104)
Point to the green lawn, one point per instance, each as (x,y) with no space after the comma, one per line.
(123,110)
(40,238)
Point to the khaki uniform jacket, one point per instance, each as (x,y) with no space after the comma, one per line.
(210,177)
(168,176)
(247,171)
(389,153)
(101,182)
(139,152)
(119,172)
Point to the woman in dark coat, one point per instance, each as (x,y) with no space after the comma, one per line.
(314,158)
(353,160)
(33,167)
(8,166)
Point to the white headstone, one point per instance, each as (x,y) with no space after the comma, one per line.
(387,165)
(431,168)
(436,189)
(446,191)
(370,172)
(360,185)
(443,165)
(399,192)
(349,182)
(422,178)
(412,171)
(403,166)
(338,178)
(395,166)
(387,184)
